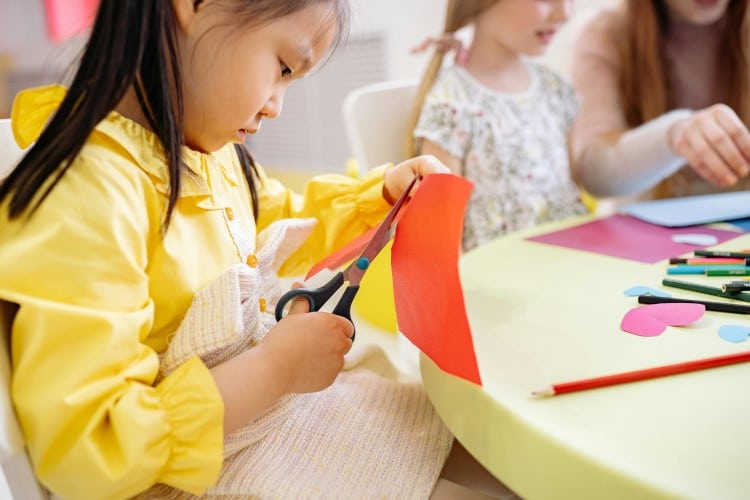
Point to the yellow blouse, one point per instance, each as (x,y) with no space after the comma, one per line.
(101,288)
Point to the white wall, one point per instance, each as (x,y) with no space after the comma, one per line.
(23,35)
(405,23)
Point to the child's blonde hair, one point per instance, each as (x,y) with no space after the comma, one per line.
(458,14)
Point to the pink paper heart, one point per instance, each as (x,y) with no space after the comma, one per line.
(676,313)
(651,320)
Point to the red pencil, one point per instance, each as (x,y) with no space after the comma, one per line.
(659,371)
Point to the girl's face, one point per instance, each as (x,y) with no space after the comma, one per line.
(234,77)
(698,12)
(524,26)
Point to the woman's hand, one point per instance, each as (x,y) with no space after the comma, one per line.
(398,178)
(715,143)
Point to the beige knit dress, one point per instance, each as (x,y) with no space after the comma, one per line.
(371,434)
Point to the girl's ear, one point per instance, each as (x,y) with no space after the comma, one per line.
(185,12)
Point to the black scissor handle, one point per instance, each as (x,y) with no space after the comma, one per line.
(344,306)
(315,297)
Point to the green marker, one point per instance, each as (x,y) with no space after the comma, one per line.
(708,290)
(727,272)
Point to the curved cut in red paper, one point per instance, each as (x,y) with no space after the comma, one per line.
(427,289)
(343,254)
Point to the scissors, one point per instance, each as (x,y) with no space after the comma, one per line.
(353,273)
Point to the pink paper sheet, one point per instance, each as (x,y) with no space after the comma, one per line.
(629,238)
(652,320)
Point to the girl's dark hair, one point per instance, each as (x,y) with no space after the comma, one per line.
(132,43)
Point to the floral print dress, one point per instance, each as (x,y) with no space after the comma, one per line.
(512,146)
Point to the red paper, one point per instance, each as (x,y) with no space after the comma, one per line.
(66,18)
(343,254)
(351,250)
(629,238)
(424,261)
(427,289)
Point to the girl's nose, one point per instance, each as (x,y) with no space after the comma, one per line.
(272,107)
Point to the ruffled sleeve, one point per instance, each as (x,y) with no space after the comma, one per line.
(192,418)
(344,207)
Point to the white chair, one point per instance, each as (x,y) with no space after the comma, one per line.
(9,150)
(375,119)
(17,471)
(10,153)
(17,478)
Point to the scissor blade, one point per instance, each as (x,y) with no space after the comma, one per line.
(380,238)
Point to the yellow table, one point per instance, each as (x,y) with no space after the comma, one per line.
(543,314)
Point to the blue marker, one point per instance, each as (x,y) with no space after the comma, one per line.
(687,269)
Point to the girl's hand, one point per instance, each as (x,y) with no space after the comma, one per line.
(715,143)
(302,353)
(308,348)
(398,178)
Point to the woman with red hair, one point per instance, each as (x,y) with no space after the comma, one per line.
(665,98)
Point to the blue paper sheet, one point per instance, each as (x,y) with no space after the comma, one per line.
(692,210)
(743,224)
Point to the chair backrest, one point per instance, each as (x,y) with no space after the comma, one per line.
(15,466)
(10,153)
(17,479)
(375,120)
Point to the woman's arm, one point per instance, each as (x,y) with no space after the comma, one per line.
(606,157)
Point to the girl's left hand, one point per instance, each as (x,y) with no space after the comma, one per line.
(398,178)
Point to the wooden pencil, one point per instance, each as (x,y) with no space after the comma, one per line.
(648,373)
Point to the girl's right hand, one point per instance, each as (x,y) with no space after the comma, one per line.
(308,348)
(715,143)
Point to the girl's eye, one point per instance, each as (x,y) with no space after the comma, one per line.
(285,71)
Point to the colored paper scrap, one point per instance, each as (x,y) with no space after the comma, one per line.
(700,239)
(343,254)
(626,237)
(743,224)
(692,210)
(429,298)
(66,18)
(651,320)
(375,302)
(645,290)
(734,333)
